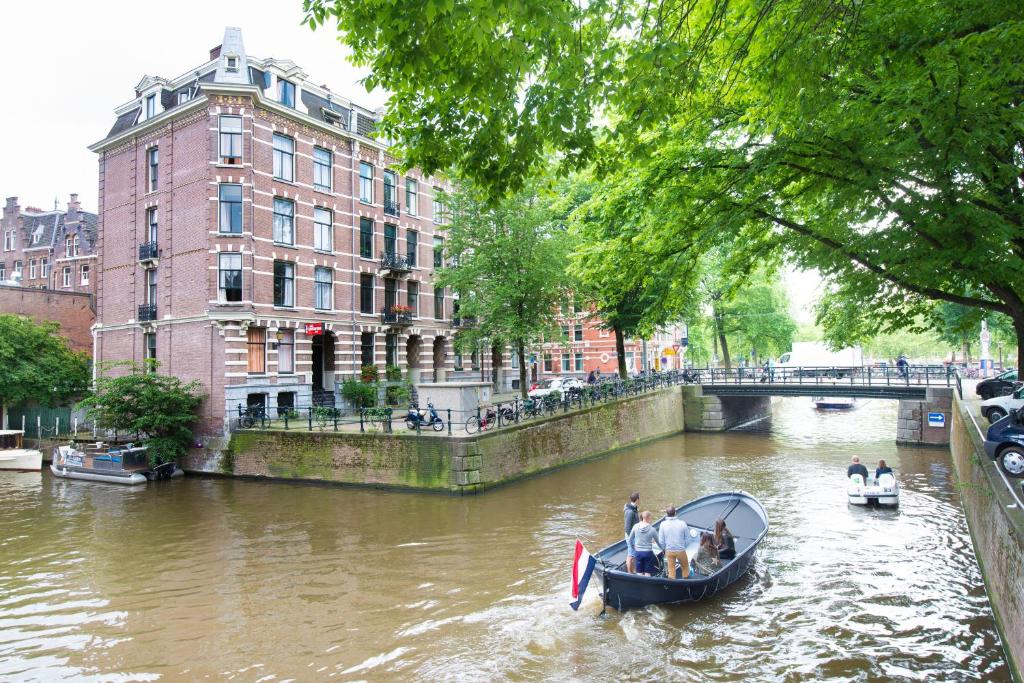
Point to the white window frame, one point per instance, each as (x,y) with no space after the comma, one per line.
(31,269)
(66,277)
(149,103)
(220,140)
(412,197)
(366,198)
(279,153)
(290,354)
(317,164)
(438,207)
(221,290)
(85,273)
(318,229)
(317,287)
(44,267)
(276,234)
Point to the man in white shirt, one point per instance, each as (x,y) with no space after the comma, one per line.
(672,536)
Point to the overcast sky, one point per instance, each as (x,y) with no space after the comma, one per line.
(71,63)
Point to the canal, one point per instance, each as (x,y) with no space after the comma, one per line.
(236,580)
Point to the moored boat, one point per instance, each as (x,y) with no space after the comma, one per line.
(885,491)
(114,464)
(13,456)
(834,402)
(746,519)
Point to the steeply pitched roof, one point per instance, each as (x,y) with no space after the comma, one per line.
(45,225)
(125,121)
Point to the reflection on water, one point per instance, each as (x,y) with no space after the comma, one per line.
(221,579)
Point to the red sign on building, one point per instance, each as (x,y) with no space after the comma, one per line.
(313,329)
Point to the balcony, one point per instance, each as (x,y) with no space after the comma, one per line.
(147,312)
(391,207)
(396,316)
(148,252)
(395,263)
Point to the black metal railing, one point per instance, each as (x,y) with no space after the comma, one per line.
(391,207)
(313,418)
(393,316)
(148,251)
(147,312)
(867,375)
(395,262)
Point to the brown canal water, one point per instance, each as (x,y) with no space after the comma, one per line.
(234,580)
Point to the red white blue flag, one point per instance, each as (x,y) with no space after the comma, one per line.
(582,567)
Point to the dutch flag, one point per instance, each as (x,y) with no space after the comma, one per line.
(582,567)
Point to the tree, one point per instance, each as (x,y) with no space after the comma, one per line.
(160,408)
(37,364)
(506,260)
(878,142)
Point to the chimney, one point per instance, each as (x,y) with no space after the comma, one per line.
(11,208)
(215,52)
(73,206)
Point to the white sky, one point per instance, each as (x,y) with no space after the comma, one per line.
(70,63)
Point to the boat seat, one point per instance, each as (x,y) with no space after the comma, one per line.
(857,479)
(887,480)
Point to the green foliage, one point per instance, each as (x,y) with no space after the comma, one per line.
(369,373)
(360,394)
(393,373)
(37,365)
(398,395)
(160,408)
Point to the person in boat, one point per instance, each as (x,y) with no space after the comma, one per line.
(672,536)
(857,468)
(724,541)
(707,561)
(882,469)
(641,542)
(632,517)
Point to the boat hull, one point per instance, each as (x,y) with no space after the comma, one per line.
(128,479)
(22,460)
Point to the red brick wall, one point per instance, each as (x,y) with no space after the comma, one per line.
(74,311)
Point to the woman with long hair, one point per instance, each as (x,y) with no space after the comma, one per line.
(724,541)
(708,561)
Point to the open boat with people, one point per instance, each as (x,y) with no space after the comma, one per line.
(834,402)
(746,519)
(885,491)
(13,456)
(127,464)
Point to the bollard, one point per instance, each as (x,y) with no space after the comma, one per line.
(361,428)
(286,414)
(310,418)
(449,421)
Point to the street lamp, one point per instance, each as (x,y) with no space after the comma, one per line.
(999,345)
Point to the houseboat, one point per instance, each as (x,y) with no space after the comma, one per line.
(125,464)
(14,457)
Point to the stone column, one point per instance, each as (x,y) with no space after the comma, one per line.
(926,422)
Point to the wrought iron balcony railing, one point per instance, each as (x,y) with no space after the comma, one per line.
(391,207)
(148,252)
(147,312)
(395,262)
(396,317)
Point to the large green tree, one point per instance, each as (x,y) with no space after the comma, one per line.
(37,365)
(506,261)
(880,143)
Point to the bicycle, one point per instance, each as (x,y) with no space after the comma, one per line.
(484,422)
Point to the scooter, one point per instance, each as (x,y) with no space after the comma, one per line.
(418,417)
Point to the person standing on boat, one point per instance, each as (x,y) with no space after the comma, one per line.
(672,537)
(632,517)
(857,468)
(882,469)
(641,542)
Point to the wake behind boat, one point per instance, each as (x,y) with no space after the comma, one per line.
(745,517)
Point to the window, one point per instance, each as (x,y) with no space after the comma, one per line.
(324,278)
(286,93)
(230,219)
(366,182)
(438,206)
(391,349)
(458,360)
(439,303)
(474,360)
(515,359)
(230,277)
(284,221)
(17,268)
(153,164)
(9,240)
(285,402)
(285,353)
(256,345)
(37,235)
(577,361)
(390,238)
(75,244)
(3,271)
(438,252)
(390,193)
(44,267)
(152,224)
(67,246)
(413,298)
(577,333)
(32,269)
(366,238)
(411,244)
(149,342)
(65,276)
(366,348)
(323,230)
(232,64)
(284,283)
(322,165)
(547,362)
(284,157)
(184,97)
(231,140)
(365,293)
(85,273)
(390,293)
(151,282)
(565,362)
(150,106)
(411,197)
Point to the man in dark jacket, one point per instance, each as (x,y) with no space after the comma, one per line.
(857,468)
(631,514)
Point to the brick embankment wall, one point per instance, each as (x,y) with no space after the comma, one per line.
(75,311)
(997,532)
(443,463)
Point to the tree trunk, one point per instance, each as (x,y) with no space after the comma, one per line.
(521,352)
(3,415)
(967,351)
(1018,328)
(620,351)
(719,329)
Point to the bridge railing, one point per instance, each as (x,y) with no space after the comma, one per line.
(867,375)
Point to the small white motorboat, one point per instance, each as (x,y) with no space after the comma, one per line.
(885,491)
(14,457)
(114,464)
(834,402)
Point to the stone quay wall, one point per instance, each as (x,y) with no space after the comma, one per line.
(719,413)
(912,422)
(997,532)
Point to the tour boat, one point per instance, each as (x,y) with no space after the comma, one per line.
(834,402)
(746,519)
(127,464)
(884,492)
(14,457)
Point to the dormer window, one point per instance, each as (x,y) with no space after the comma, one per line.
(150,106)
(184,97)
(232,63)
(286,93)
(333,117)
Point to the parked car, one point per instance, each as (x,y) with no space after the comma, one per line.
(998,407)
(558,386)
(1000,385)
(1004,443)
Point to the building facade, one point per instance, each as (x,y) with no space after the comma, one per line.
(49,249)
(255,236)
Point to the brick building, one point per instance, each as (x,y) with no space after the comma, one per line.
(49,249)
(254,235)
(74,311)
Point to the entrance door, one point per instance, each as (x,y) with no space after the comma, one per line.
(318,364)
